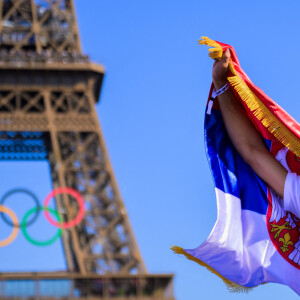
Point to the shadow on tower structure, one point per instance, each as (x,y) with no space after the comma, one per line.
(48,90)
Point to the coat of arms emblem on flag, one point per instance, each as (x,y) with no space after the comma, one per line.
(254,240)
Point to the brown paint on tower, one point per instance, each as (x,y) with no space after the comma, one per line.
(48,91)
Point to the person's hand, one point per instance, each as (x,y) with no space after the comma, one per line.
(220,70)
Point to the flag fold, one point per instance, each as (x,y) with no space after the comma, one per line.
(254,240)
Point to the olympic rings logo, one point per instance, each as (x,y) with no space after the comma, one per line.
(13,220)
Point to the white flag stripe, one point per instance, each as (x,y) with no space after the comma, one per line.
(239,247)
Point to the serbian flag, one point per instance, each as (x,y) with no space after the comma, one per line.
(254,240)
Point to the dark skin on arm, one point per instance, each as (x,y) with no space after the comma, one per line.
(243,134)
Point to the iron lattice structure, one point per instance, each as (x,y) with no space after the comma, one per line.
(48,91)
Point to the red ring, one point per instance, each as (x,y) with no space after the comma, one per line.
(73,193)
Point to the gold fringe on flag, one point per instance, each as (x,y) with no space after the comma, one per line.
(216,52)
(260,111)
(232,287)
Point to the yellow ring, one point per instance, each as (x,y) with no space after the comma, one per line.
(15,230)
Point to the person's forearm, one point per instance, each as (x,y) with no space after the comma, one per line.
(243,135)
(249,143)
(240,129)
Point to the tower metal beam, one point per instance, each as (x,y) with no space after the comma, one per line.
(48,87)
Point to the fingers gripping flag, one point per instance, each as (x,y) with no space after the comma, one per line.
(254,240)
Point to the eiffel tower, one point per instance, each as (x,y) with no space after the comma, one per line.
(48,92)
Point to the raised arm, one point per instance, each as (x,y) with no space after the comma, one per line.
(243,134)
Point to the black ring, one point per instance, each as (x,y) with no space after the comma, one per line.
(9,193)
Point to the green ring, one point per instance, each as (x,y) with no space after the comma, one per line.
(31,240)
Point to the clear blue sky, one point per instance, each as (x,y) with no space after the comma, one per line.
(151,112)
(152,109)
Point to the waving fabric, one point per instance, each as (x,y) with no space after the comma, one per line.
(254,240)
